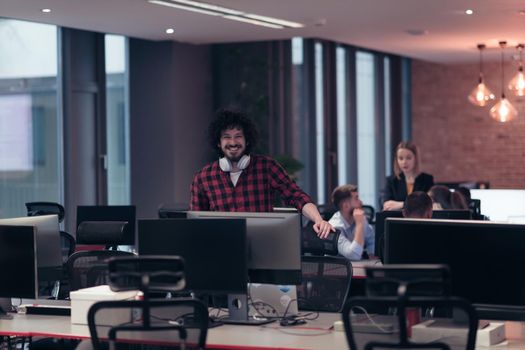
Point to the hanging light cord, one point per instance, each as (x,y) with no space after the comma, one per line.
(502,45)
(481,47)
(520,48)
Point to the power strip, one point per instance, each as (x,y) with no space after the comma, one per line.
(493,334)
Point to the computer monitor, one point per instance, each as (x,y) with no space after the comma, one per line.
(110,213)
(491,200)
(48,247)
(18,249)
(214,252)
(485,259)
(420,280)
(274,244)
(455,214)
(290,210)
(379,230)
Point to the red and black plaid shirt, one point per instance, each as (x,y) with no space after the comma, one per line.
(213,190)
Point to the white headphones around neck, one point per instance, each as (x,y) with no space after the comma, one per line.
(226,165)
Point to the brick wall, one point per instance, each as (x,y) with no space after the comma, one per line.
(459,141)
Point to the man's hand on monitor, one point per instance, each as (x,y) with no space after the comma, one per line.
(323,228)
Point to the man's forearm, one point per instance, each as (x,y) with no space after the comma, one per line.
(359,234)
(311,212)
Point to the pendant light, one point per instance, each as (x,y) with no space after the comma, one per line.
(503,111)
(517,84)
(481,94)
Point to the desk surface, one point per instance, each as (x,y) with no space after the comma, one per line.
(315,335)
(358,267)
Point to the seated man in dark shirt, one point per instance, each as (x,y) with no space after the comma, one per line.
(418,205)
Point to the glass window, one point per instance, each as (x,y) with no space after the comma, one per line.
(319,123)
(342,115)
(366,150)
(297,51)
(30,126)
(388,117)
(117,120)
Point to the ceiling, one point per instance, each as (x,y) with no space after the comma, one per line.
(381,25)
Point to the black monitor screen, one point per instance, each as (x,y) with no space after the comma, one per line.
(110,213)
(18,262)
(486,259)
(274,244)
(453,214)
(436,214)
(214,251)
(380,228)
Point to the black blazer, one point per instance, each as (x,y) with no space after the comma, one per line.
(396,189)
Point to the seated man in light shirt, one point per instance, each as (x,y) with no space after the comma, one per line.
(356,234)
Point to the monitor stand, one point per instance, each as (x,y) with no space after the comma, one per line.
(5,304)
(205,299)
(238,312)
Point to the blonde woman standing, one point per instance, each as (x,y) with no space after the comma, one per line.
(407,177)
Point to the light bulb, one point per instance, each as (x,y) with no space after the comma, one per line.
(480,95)
(503,111)
(517,84)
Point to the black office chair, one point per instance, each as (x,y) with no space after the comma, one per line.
(90,268)
(165,323)
(370,213)
(312,244)
(45,208)
(326,211)
(173,211)
(107,233)
(68,245)
(396,331)
(326,283)
(398,294)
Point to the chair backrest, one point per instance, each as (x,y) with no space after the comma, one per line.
(370,213)
(90,268)
(312,244)
(326,283)
(162,323)
(155,273)
(173,211)
(67,243)
(326,211)
(109,233)
(45,208)
(407,328)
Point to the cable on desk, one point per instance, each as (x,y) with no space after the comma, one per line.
(255,304)
(374,323)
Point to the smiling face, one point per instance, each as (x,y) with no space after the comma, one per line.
(406,160)
(233,144)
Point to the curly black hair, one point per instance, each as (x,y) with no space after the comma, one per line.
(229,118)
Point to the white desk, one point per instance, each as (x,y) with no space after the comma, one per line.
(313,336)
(358,267)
